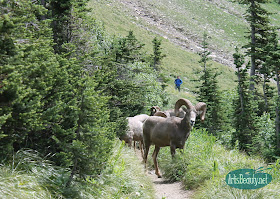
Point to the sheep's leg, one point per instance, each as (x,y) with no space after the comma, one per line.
(129,142)
(146,151)
(134,145)
(141,148)
(155,154)
(172,150)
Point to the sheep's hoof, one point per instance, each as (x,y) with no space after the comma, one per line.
(159,175)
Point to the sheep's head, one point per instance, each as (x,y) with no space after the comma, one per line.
(161,114)
(154,109)
(191,111)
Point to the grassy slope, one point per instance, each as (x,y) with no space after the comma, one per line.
(221,19)
(117,21)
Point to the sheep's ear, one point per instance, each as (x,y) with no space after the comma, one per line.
(200,107)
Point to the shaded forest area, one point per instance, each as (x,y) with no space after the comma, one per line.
(66,87)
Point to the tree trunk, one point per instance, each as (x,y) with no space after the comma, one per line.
(264,94)
(78,133)
(240,92)
(253,49)
(277,120)
(43,3)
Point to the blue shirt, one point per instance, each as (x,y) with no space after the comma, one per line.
(178,82)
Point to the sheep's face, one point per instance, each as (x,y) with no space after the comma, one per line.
(191,114)
(192,117)
(154,109)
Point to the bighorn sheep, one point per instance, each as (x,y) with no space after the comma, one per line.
(135,130)
(154,109)
(161,114)
(170,131)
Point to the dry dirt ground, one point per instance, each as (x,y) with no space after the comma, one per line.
(165,189)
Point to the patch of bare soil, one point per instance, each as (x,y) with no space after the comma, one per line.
(165,189)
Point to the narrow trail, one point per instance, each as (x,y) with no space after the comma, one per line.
(168,190)
(165,189)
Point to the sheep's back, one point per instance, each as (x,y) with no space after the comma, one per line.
(158,130)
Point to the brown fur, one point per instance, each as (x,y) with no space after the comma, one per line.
(170,131)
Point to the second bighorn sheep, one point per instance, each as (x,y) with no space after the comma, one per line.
(153,110)
(135,130)
(170,131)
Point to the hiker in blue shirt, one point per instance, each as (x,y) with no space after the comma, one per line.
(178,83)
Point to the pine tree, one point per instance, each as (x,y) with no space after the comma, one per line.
(209,93)
(272,62)
(53,106)
(29,73)
(128,49)
(157,55)
(239,61)
(70,100)
(260,29)
(129,79)
(62,13)
(245,115)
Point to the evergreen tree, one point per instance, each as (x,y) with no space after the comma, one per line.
(260,29)
(272,62)
(245,119)
(210,94)
(62,14)
(68,101)
(52,104)
(267,71)
(157,55)
(29,74)
(127,77)
(128,49)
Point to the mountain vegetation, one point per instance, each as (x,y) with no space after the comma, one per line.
(69,77)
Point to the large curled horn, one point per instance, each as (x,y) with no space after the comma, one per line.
(200,107)
(161,114)
(182,102)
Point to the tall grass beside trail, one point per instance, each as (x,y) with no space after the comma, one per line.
(204,164)
(124,177)
(19,185)
(31,177)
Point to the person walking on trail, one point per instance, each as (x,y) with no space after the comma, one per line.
(178,83)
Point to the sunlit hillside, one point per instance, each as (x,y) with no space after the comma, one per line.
(181,25)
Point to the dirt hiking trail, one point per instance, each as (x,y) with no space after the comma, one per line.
(168,190)
(165,189)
